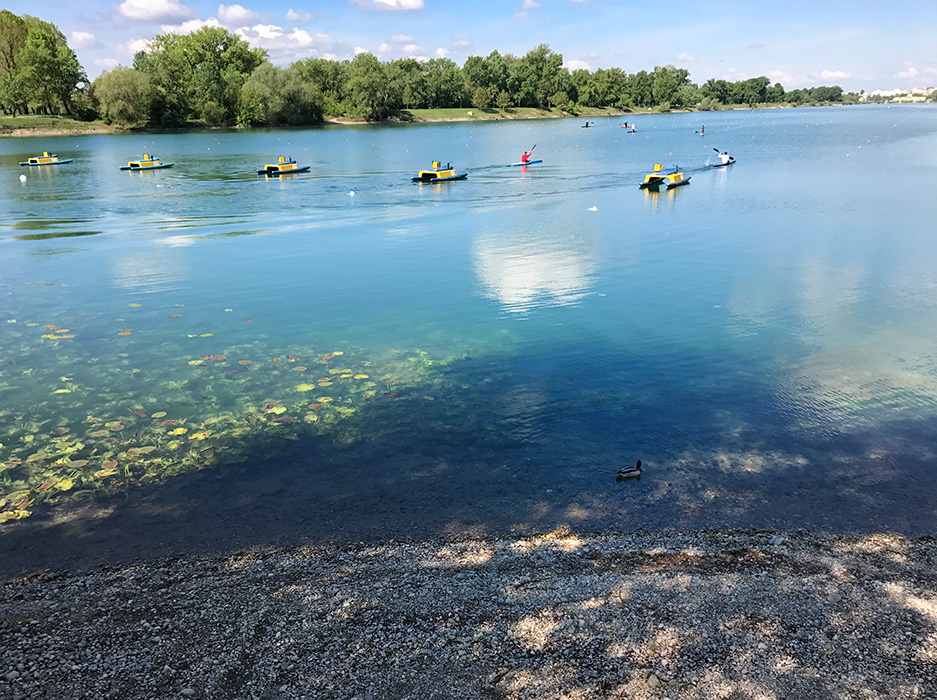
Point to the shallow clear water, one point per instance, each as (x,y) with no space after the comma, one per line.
(763,339)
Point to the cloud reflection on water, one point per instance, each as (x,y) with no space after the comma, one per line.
(523,271)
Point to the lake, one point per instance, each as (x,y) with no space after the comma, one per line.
(200,358)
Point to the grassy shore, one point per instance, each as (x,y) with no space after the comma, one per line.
(41,125)
(38,125)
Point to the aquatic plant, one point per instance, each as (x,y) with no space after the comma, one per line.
(87,424)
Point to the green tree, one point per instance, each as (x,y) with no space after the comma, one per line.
(481,98)
(406,75)
(49,70)
(124,96)
(504,100)
(687,96)
(367,87)
(666,81)
(190,70)
(521,82)
(641,89)
(559,99)
(13,31)
(275,96)
(497,73)
(717,90)
(330,78)
(445,85)
(775,93)
(475,73)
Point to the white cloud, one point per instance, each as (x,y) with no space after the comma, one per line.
(260,32)
(358,50)
(401,39)
(834,74)
(106,63)
(786,79)
(684,57)
(383,47)
(390,5)
(193,25)
(413,49)
(235,15)
(297,15)
(927,74)
(526,5)
(290,46)
(461,41)
(441,52)
(81,40)
(134,46)
(154,9)
(574,64)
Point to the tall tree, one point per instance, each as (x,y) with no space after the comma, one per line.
(124,95)
(367,87)
(48,68)
(279,97)
(191,70)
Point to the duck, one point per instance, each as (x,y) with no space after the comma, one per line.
(630,472)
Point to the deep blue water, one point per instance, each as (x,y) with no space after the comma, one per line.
(763,338)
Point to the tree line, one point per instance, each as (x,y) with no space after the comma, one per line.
(212,76)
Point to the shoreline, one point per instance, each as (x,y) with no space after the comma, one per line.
(468,115)
(695,615)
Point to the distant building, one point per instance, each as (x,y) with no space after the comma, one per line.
(898,95)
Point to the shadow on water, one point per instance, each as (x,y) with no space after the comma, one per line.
(513,449)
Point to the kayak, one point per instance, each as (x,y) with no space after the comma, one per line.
(722,165)
(529,162)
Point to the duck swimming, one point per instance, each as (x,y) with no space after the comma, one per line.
(630,472)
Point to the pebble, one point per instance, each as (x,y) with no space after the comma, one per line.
(364,618)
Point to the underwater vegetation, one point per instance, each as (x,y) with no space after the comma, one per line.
(75,422)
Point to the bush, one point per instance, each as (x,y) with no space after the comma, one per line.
(213,114)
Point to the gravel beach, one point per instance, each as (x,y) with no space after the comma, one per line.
(698,615)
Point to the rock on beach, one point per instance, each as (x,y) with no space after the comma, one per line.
(697,615)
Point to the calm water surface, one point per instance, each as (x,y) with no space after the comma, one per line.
(402,359)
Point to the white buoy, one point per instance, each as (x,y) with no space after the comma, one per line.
(22,178)
(351,193)
(592,209)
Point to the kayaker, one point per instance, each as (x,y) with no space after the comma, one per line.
(702,129)
(525,157)
(725,158)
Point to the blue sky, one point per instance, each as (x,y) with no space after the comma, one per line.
(800,43)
